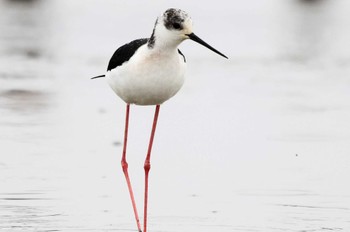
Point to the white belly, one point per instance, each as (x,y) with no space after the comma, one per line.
(148,79)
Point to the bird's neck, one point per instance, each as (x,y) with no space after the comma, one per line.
(162,41)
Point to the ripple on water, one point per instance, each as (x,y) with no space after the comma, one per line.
(27,211)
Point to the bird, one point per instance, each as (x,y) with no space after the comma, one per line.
(148,72)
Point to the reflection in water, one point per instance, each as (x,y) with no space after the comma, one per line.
(25,33)
(22,1)
(24,101)
(24,43)
(310,1)
(307,25)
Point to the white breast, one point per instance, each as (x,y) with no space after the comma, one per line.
(149,77)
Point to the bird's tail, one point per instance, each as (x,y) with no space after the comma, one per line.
(98,76)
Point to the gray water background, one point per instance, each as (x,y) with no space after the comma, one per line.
(259,142)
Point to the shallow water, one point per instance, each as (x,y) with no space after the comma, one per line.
(259,142)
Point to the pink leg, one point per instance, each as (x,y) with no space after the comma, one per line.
(147,167)
(125,168)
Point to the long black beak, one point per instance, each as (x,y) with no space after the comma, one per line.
(195,38)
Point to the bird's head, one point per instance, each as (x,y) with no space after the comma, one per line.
(173,27)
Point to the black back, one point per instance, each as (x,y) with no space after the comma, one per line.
(125,52)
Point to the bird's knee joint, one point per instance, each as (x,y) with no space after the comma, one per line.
(147,166)
(124,165)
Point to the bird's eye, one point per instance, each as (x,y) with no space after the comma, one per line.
(176,25)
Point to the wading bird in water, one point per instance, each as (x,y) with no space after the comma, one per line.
(149,72)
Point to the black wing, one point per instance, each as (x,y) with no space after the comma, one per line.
(124,53)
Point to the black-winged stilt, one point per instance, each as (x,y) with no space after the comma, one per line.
(149,72)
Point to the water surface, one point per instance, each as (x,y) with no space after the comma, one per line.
(259,142)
